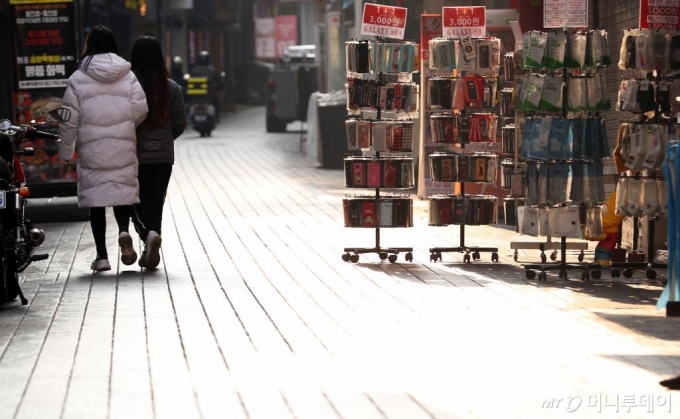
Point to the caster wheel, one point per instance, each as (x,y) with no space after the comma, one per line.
(651,274)
(553,256)
(628,272)
(345,257)
(354,258)
(529,274)
(392,258)
(515,256)
(409,257)
(563,274)
(382,255)
(616,273)
(596,274)
(433,257)
(494,257)
(475,256)
(585,276)
(543,257)
(542,276)
(466,258)
(580,257)
(439,255)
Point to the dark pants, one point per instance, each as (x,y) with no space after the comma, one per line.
(153,185)
(98,224)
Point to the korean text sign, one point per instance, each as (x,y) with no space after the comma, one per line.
(464,21)
(386,21)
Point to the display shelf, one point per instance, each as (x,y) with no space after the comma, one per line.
(462,114)
(381,103)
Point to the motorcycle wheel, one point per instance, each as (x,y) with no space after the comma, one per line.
(10,282)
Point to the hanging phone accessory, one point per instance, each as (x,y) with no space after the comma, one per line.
(654,147)
(634,195)
(636,150)
(620,207)
(594,226)
(650,197)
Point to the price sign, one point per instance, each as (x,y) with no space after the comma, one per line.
(464,21)
(387,21)
(660,14)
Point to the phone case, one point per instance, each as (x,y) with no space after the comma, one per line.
(444,211)
(346,212)
(445,90)
(464,169)
(369,216)
(362,57)
(386,214)
(480,169)
(363,137)
(389,98)
(458,211)
(349,173)
(472,91)
(406,175)
(390,175)
(358,170)
(373,174)
(484,56)
(447,171)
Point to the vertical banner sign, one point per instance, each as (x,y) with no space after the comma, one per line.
(265,38)
(386,21)
(286,33)
(44,42)
(565,13)
(45,53)
(464,21)
(660,14)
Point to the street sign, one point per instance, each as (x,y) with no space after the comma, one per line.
(386,21)
(464,21)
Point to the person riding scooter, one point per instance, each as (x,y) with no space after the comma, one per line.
(204,68)
(201,112)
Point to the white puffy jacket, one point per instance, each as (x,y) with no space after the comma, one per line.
(107,103)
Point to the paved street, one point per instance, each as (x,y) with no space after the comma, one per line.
(253,313)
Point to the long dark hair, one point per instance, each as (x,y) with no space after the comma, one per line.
(100,40)
(148,64)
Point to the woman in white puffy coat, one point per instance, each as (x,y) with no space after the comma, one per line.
(107,103)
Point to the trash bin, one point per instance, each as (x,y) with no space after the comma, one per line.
(332,135)
(331,113)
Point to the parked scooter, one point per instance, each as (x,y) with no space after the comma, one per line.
(18,237)
(201,111)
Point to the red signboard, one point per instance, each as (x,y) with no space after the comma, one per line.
(660,14)
(286,33)
(464,21)
(387,21)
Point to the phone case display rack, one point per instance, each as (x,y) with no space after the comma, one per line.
(650,86)
(463,93)
(563,142)
(381,103)
(514,168)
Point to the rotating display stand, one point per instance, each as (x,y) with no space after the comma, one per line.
(463,91)
(648,91)
(563,142)
(381,102)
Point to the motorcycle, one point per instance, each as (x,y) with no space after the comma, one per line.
(18,237)
(201,112)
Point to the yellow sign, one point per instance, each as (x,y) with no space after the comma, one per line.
(197,86)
